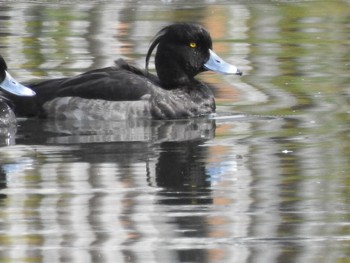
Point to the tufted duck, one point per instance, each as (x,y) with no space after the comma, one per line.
(123,91)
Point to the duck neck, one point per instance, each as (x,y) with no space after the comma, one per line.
(170,72)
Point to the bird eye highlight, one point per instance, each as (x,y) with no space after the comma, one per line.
(193,44)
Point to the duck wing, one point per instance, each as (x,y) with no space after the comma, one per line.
(121,82)
(118,83)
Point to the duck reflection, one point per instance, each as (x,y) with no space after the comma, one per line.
(181,173)
(172,158)
(176,165)
(181,167)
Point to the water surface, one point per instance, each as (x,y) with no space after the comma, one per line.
(265,180)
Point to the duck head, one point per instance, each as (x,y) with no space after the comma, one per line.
(183,51)
(10,85)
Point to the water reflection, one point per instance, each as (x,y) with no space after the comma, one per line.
(178,200)
(8,126)
(181,172)
(143,130)
(95,194)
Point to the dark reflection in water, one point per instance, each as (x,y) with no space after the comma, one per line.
(181,167)
(181,172)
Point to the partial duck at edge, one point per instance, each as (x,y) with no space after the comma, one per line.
(9,87)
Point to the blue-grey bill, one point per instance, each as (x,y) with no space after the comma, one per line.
(217,64)
(10,85)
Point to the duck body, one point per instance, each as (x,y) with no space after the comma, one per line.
(123,91)
(120,92)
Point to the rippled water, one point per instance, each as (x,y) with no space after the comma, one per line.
(265,180)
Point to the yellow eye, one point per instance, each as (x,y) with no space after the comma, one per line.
(193,44)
